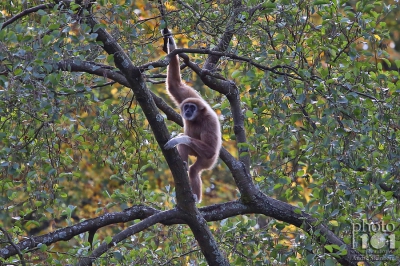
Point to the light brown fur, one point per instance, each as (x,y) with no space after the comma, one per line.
(204,130)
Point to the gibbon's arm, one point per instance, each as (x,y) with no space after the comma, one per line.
(174,71)
(178,90)
(201,148)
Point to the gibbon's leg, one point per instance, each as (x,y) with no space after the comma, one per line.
(194,176)
(184,153)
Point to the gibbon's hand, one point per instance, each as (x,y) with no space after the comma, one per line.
(169,43)
(166,32)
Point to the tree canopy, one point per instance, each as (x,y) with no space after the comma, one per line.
(307,93)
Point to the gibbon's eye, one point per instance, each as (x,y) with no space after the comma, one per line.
(190,107)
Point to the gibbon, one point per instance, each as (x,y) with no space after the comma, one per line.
(202,130)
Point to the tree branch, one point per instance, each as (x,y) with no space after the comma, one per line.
(211,213)
(26,12)
(180,51)
(225,38)
(131,230)
(292,215)
(396,192)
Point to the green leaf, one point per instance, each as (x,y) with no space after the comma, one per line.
(397,62)
(18,71)
(387,62)
(118,255)
(329,248)
(42,12)
(334,213)
(163,24)
(330,262)
(259,178)
(269,5)
(251,73)
(236,73)
(280,226)
(249,114)
(321,2)
(108,239)
(54,26)
(110,58)
(44,19)
(42,247)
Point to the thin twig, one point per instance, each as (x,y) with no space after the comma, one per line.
(183,254)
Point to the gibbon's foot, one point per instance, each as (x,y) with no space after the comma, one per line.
(170,144)
(196,199)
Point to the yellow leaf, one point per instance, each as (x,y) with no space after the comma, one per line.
(334,223)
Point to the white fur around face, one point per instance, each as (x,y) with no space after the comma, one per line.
(177,140)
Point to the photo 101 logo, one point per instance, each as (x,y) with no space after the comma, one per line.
(375,241)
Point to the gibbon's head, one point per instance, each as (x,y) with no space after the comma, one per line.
(191,108)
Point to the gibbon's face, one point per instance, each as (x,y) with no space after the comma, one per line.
(189,111)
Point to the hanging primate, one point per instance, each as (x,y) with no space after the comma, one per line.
(202,131)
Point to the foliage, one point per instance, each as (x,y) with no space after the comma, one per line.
(319,91)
